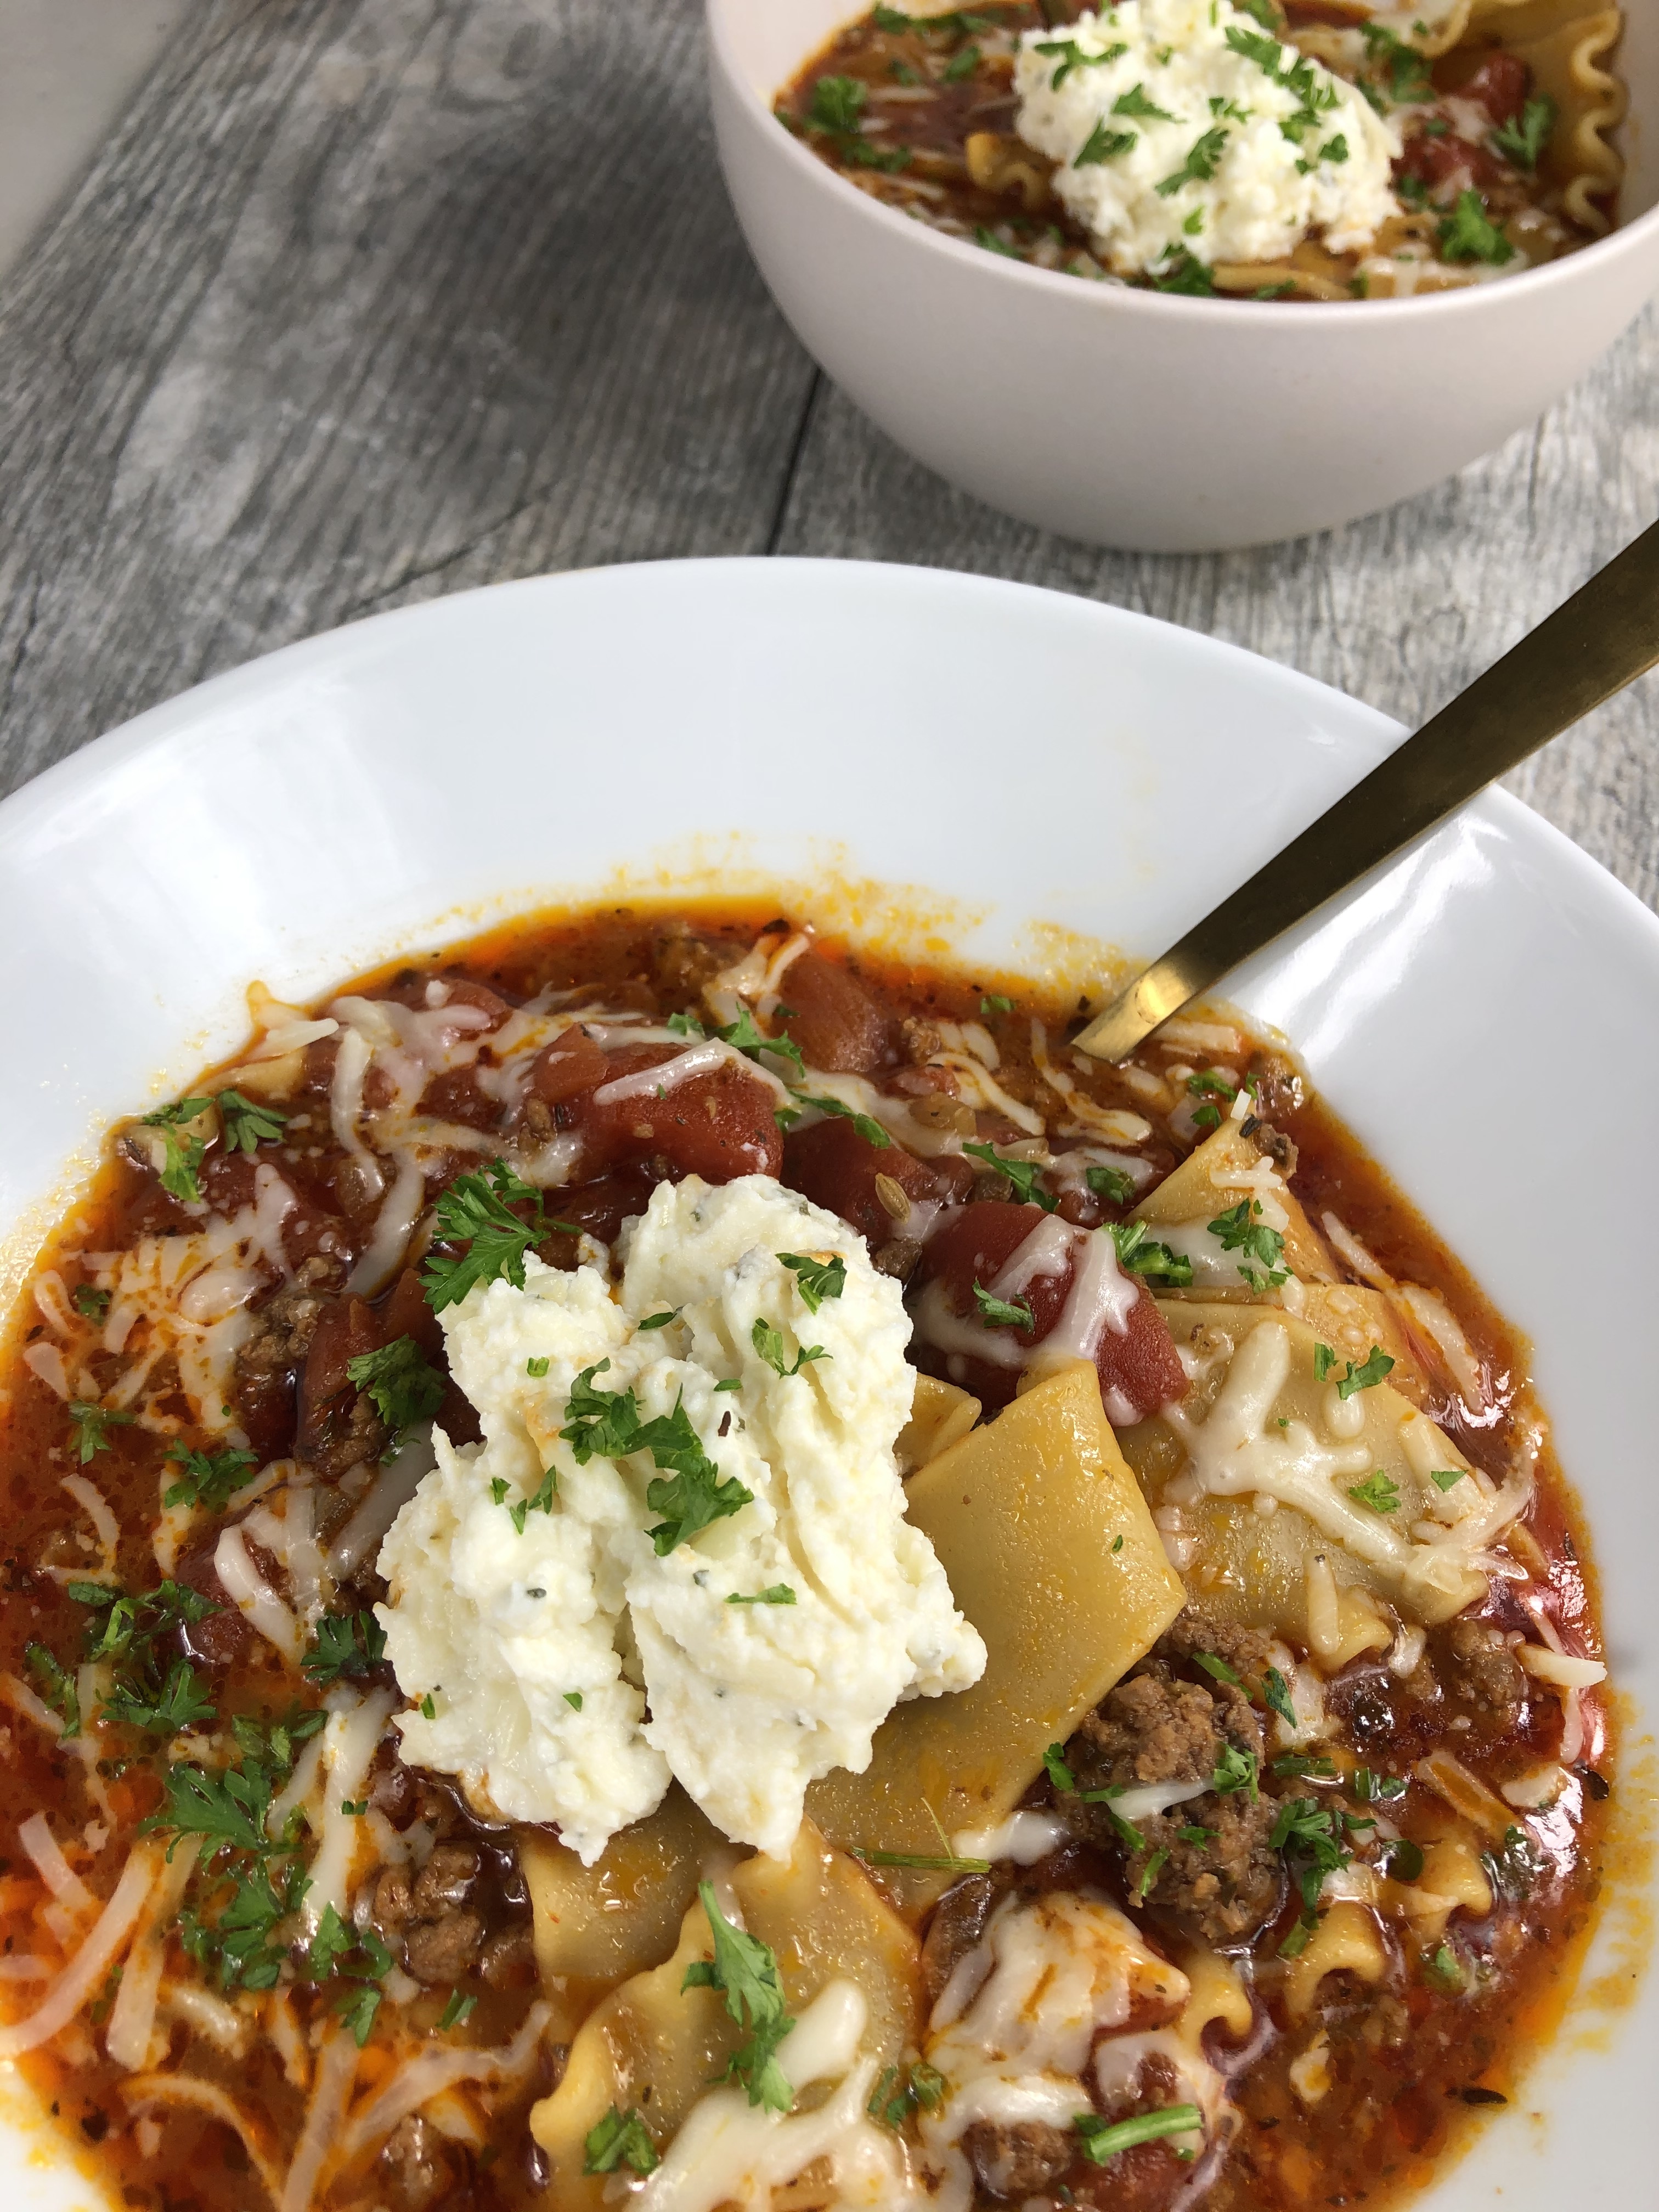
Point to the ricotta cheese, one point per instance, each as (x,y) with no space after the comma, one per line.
(1182,126)
(569,1670)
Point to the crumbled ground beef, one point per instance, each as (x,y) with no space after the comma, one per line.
(1478,1667)
(1205,1865)
(415,2166)
(1013,2159)
(682,960)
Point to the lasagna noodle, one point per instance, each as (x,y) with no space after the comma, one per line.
(1567,61)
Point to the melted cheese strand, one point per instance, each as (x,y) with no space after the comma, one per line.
(91,1962)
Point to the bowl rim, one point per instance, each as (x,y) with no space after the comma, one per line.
(1114,298)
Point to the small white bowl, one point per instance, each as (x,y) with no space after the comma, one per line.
(1138,419)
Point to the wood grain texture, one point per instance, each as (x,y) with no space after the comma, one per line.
(371,300)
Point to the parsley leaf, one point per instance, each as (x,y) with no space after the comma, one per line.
(403,1388)
(1366,1376)
(1278,1695)
(457,2013)
(619,2138)
(1521,142)
(346,1645)
(744,1036)
(225,1809)
(92,1424)
(1142,1255)
(1443,1967)
(1217,1668)
(1072,58)
(1324,1360)
(1184,272)
(1199,166)
(1409,68)
(920,2089)
(1378,1491)
(247,1124)
(1235,1770)
(1022,1175)
(1515,1866)
(1059,1772)
(1304,1834)
(1104,144)
(541,1501)
(182,1157)
(991,244)
(1134,102)
(1300,1763)
(1240,1228)
(962,63)
(768,1342)
(180,1704)
(208,1480)
(1468,234)
(650,1320)
(607,1422)
(1373,1788)
(357,2008)
(1127,1833)
(57,1686)
(475,1212)
(999,1313)
(1100,2140)
(745,1971)
(816,1279)
(867,1126)
(779,1593)
(1447,1478)
(836,112)
(1110,1184)
(92,1304)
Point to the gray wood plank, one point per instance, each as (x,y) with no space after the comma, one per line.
(369,300)
(1401,610)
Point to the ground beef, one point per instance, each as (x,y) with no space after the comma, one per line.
(682,960)
(1014,2159)
(898,1257)
(1279,1088)
(1478,1667)
(956,1925)
(1154,1727)
(1244,1650)
(439,1952)
(415,2167)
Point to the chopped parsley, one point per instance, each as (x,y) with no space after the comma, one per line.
(248,1125)
(1000,1313)
(1235,1769)
(1335,149)
(744,1036)
(91,1304)
(1378,1491)
(1521,141)
(1515,1866)
(1150,1871)
(768,1342)
(745,1971)
(1184,272)
(1304,1834)
(1104,144)
(1443,1968)
(429,1710)
(607,1422)
(1073,58)
(346,1644)
(1144,1256)
(816,1279)
(573,1699)
(1304,1765)
(57,1686)
(1469,233)
(536,1368)
(208,1480)
(962,63)
(1127,1834)
(1192,1833)
(619,2139)
(541,1501)
(1372,1370)
(1199,166)
(1278,1695)
(897,2094)
(1240,1228)
(1059,1772)
(1110,1184)
(181,1162)
(92,1424)
(1407,70)
(1134,102)
(1100,2140)
(475,1211)
(1447,1478)
(457,2013)
(866,1125)
(779,1593)
(836,112)
(1400,1859)
(1021,1175)
(994,1002)
(403,1386)
(1373,1788)
(991,244)
(166,1709)
(1218,1668)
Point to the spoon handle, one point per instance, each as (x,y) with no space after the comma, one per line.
(1601,639)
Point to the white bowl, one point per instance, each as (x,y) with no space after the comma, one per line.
(1140,419)
(1026,758)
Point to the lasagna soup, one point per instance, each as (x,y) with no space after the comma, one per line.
(648,1561)
(1268,149)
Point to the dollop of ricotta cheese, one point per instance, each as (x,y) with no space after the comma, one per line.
(1182,126)
(562,1668)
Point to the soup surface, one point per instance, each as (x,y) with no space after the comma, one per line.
(1319,150)
(570,1410)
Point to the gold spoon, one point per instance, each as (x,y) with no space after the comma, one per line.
(1603,638)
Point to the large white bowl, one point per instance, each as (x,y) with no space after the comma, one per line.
(1141,419)
(1483,1012)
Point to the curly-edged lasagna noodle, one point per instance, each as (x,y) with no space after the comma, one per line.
(1041,132)
(568,1412)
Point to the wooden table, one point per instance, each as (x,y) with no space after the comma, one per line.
(368,300)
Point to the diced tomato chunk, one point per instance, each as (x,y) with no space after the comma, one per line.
(840,1026)
(1501,84)
(719,1123)
(572,1063)
(1137,1366)
(836,1168)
